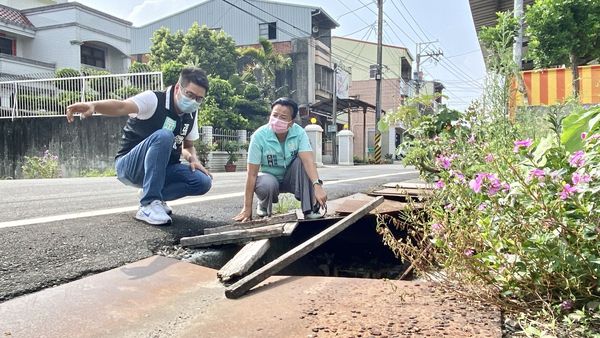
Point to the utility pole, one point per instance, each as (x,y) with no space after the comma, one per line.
(334,114)
(378,81)
(518,45)
(427,55)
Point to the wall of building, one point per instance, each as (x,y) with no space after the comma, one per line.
(23,4)
(60,30)
(390,93)
(359,55)
(91,143)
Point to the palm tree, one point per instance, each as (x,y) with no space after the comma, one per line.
(264,63)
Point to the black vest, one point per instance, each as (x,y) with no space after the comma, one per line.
(135,131)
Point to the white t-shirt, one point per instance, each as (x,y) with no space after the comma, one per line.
(147,102)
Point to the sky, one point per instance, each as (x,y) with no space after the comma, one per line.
(406,22)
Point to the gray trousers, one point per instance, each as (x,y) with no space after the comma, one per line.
(295,181)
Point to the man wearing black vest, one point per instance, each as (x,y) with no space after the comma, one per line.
(161,128)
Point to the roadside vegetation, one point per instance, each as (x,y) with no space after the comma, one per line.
(515,218)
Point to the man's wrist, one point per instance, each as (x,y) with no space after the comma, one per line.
(317,182)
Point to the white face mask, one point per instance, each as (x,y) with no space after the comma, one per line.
(186,104)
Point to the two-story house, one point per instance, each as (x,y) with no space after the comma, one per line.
(41,36)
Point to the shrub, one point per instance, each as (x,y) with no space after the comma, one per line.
(45,166)
(512,221)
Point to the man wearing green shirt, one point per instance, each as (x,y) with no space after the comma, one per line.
(280,159)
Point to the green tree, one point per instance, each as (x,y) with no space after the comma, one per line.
(213,51)
(217,110)
(263,63)
(564,32)
(165,47)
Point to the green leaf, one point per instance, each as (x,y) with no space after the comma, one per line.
(574,124)
(539,154)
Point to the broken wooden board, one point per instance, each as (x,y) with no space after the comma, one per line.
(347,205)
(387,207)
(401,192)
(408,185)
(236,236)
(257,223)
(244,259)
(243,285)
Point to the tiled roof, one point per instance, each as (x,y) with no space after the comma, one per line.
(13,16)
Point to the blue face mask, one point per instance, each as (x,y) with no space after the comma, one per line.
(187,105)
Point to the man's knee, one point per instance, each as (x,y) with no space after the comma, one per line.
(201,184)
(163,135)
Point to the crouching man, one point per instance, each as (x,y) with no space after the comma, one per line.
(161,128)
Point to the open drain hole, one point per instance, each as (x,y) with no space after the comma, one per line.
(356,252)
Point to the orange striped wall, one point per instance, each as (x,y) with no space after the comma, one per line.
(547,87)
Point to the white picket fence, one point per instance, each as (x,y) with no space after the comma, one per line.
(50,97)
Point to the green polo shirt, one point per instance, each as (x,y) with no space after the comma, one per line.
(273,156)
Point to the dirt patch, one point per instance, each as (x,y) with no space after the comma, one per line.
(403,309)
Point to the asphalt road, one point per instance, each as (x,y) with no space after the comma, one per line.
(55,231)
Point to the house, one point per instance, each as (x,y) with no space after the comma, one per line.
(300,31)
(41,36)
(360,59)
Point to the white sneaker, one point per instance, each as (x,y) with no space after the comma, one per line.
(260,212)
(153,214)
(167,208)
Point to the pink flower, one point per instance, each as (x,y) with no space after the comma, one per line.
(437,227)
(577,159)
(440,184)
(449,207)
(489,158)
(537,173)
(459,176)
(567,191)
(444,161)
(583,135)
(469,252)
(522,144)
(471,139)
(482,207)
(476,183)
(580,178)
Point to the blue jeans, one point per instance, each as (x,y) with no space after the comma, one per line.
(147,166)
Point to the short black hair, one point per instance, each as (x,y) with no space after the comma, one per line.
(194,75)
(286,101)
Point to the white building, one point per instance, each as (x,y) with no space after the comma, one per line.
(42,36)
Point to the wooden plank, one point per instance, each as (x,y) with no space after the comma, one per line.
(234,236)
(289,227)
(244,259)
(408,185)
(401,192)
(243,285)
(388,206)
(252,224)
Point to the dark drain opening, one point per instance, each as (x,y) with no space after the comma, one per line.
(356,252)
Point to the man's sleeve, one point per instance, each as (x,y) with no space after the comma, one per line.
(304,143)
(194,134)
(146,102)
(254,151)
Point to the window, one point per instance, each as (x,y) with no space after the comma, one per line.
(93,57)
(268,30)
(6,46)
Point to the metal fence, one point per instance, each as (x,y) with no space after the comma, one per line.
(222,136)
(50,97)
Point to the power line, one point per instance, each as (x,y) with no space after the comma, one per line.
(413,18)
(351,11)
(409,24)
